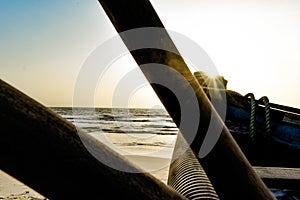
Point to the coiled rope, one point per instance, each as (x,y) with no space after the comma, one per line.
(252,116)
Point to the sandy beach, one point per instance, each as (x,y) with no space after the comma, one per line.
(151,153)
(152,159)
(10,188)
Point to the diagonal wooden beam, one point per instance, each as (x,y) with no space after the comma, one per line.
(45,152)
(226,166)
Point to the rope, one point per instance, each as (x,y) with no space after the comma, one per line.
(265,100)
(252,116)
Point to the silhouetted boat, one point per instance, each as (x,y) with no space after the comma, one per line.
(267,133)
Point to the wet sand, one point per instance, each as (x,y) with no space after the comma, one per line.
(11,188)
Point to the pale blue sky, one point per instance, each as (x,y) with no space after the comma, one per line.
(254,44)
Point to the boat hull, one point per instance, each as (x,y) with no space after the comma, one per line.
(281,148)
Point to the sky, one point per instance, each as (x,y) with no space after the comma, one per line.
(254,44)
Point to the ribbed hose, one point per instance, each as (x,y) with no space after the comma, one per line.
(252,117)
(187,176)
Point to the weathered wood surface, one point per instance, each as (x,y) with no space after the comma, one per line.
(278,177)
(44,151)
(226,166)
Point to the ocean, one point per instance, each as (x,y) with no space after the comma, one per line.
(120,120)
(147,132)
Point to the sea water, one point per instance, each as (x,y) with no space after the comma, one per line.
(133,131)
(120,120)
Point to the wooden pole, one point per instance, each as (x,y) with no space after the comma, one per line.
(45,152)
(226,166)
